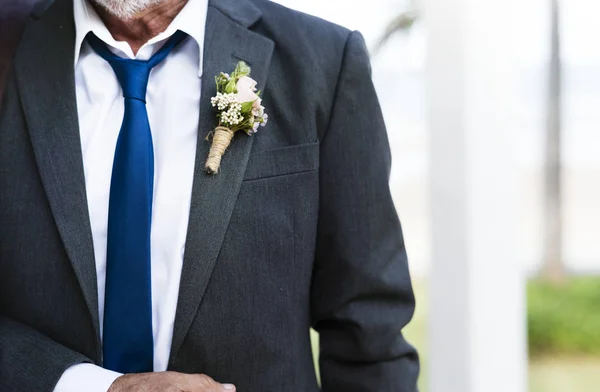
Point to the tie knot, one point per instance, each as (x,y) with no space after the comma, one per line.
(133,75)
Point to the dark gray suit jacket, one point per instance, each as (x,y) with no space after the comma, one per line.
(12,16)
(297,230)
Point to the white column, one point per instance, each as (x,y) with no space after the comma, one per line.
(477,314)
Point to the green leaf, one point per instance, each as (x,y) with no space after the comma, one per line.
(247,107)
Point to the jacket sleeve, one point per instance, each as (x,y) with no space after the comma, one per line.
(361,295)
(29,360)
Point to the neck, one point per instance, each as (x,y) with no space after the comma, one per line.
(144,26)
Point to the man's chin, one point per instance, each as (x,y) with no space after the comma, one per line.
(125,9)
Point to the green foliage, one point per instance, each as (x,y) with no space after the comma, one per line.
(226,84)
(241,69)
(247,107)
(565,318)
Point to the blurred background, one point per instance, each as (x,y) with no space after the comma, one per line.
(517,253)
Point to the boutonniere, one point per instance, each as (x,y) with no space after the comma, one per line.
(238,107)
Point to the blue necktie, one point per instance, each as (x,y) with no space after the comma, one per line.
(127,337)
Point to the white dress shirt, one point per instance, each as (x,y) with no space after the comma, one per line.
(173,103)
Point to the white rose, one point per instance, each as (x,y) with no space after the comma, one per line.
(246,88)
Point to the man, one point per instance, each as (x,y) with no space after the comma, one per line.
(124,266)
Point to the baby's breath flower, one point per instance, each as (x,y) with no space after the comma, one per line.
(224,101)
(233,115)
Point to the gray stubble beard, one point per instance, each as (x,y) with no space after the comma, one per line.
(126,9)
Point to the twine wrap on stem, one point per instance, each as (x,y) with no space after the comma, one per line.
(222,137)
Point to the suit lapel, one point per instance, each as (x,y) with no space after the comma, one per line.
(45,74)
(227,41)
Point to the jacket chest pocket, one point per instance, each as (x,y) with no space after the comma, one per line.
(283,161)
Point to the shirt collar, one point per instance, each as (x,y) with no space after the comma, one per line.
(191,20)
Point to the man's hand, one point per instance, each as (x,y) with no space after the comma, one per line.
(168,382)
